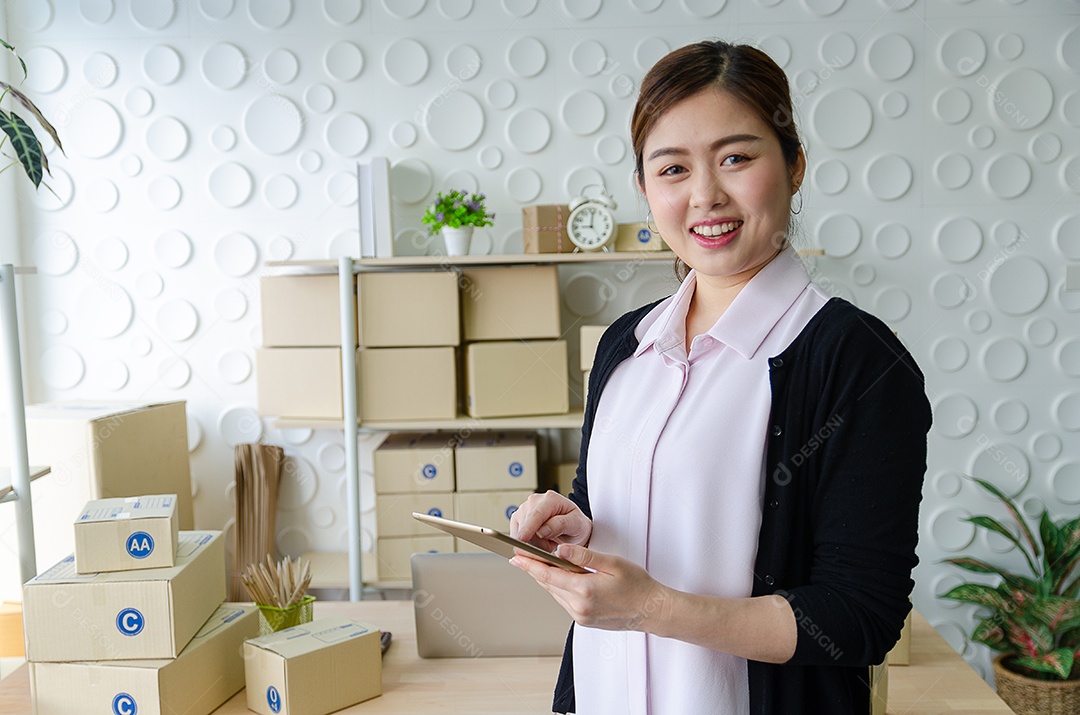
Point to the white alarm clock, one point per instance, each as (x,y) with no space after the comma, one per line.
(591,224)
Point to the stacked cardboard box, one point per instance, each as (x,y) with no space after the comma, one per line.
(413,472)
(301,335)
(409,329)
(156,639)
(496,472)
(515,364)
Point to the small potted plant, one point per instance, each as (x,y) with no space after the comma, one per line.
(23,141)
(454,215)
(1032,621)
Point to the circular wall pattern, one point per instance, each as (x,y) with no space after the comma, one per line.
(501,94)
(54,323)
(1070,109)
(167,138)
(342,189)
(584,294)
(962,52)
(953,171)
(223,138)
(831,176)
(273,124)
(890,56)
(406,62)
(863,274)
(149,285)
(588,58)
(454,122)
(952,105)
(94,128)
(162,64)
(1046,446)
(404,9)
(1004,465)
(490,157)
(893,104)
(270,14)
(948,484)
(1045,147)
(230,185)
(959,240)
(838,50)
(526,57)
(1010,46)
(231,304)
(139,101)
(1040,332)
(1065,482)
(610,149)
(1067,412)
(949,354)
(1019,285)
(889,177)
(236,254)
(839,235)
(842,118)
(100,70)
(225,65)
(950,531)
(97,12)
(463,62)
(892,240)
(583,112)
(281,66)
(319,98)
(1004,359)
(982,136)
(1011,416)
(412,180)
(524,184)
(103,310)
(892,304)
(102,195)
(528,130)
(347,134)
(177,320)
(239,425)
(955,416)
(648,51)
(153,14)
(343,61)
(61,366)
(777,48)
(111,374)
(111,253)
(1022,99)
(234,367)
(280,192)
(1068,358)
(978,320)
(951,290)
(1008,176)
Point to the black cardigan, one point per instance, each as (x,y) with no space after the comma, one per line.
(845,459)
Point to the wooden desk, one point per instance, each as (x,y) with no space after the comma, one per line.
(937,682)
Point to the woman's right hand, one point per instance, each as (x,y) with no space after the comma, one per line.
(549,519)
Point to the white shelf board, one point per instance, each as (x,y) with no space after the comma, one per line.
(570,420)
(7,492)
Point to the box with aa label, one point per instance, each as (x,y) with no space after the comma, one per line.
(411,462)
(510,379)
(395,553)
(510,303)
(313,669)
(126,533)
(491,461)
(301,311)
(124,615)
(393,512)
(209,671)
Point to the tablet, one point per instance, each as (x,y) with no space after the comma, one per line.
(496,541)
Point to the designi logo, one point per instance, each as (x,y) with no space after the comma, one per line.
(140,545)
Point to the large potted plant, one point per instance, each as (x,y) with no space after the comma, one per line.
(455,214)
(1033,621)
(18,133)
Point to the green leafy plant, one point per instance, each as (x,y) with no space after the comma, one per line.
(456,209)
(24,142)
(1035,619)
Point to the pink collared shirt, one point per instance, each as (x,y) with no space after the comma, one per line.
(675,467)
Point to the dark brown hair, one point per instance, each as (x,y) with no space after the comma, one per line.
(746,73)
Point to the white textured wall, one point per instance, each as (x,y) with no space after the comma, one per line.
(206,136)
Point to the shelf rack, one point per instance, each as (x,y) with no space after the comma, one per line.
(346,268)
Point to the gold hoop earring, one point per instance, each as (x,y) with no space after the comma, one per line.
(650,224)
(798,211)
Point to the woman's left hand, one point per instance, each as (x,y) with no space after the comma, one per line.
(617,595)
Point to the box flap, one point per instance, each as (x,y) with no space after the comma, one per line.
(310,637)
(86,410)
(144,507)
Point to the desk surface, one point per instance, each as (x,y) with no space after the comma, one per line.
(937,682)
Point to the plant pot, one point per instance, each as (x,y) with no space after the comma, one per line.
(1028,696)
(457,240)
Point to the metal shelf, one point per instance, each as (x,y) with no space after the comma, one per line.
(570,420)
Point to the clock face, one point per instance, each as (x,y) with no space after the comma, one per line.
(590,226)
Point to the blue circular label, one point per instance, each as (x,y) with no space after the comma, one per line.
(510,511)
(129,622)
(435,511)
(273,699)
(429,471)
(516,470)
(124,704)
(644,235)
(139,545)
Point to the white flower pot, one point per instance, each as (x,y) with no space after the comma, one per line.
(457,240)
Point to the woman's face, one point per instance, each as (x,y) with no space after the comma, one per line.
(718,186)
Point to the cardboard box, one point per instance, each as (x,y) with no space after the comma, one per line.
(560,477)
(95,451)
(411,462)
(507,379)
(11,631)
(407,384)
(126,533)
(879,688)
(299,382)
(544,228)
(301,311)
(901,652)
(510,303)
(590,338)
(491,509)
(209,671)
(151,613)
(638,237)
(395,553)
(409,309)
(393,512)
(494,461)
(316,668)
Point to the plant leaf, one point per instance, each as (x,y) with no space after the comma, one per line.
(1014,512)
(1056,612)
(10,48)
(26,145)
(977,566)
(32,108)
(979,594)
(1059,662)
(1032,639)
(990,633)
(1051,539)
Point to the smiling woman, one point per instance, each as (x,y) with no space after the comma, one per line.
(752,452)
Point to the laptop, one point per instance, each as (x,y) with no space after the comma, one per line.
(473,605)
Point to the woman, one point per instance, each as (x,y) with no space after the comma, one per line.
(752,452)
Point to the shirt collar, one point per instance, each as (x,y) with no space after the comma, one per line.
(747,321)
